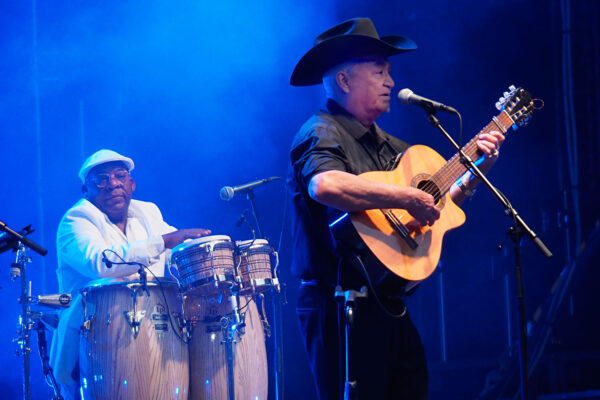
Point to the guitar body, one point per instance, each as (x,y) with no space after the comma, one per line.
(394,241)
(416,166)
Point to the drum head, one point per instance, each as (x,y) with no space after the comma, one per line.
(165,282)
(251,243)
(199,241)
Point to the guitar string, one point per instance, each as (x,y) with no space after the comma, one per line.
(453,168)
(399,225)
(432,188)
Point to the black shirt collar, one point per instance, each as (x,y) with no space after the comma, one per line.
(351,124)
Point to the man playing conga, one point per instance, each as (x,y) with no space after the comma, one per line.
(105,236)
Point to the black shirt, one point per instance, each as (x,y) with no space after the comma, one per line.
(332,139)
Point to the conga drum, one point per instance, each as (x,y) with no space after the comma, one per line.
(254,267)
(205,265)
(131,345)
(209,378)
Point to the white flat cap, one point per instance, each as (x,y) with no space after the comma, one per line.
(102,157)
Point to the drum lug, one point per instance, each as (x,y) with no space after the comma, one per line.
(262,313)
(134,318)
(186,328)
(86,326)
(89,311)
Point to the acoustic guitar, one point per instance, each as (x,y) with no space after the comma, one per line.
(399,243)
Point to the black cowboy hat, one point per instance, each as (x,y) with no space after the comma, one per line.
(349,40)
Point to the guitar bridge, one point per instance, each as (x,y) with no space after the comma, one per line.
(400,228)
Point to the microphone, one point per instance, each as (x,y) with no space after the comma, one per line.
(108,263)
(407,96)
(8,242)
(227,192)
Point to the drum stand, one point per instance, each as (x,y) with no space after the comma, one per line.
(350,297)
(231,329)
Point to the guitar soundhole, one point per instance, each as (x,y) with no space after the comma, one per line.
(430,187)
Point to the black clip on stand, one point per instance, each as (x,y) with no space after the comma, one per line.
(143,278)
(278,340)
(350,297)
(21,244)
(515,232)
(46,368)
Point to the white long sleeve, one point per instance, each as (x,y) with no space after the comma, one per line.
(85,232)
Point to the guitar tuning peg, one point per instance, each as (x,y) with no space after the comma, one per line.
(498,106)
(506,95)
(512,88)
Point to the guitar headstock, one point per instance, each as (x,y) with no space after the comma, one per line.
(519,105)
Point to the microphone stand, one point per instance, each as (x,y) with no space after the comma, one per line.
(250,197)
(350,297)
(515,232)
(26,324)
(277,311)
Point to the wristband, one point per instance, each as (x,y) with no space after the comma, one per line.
(464,189)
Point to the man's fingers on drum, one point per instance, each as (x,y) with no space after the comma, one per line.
(194,233)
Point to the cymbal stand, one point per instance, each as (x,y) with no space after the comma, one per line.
(350,297)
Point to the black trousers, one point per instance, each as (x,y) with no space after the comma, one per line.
(388,358)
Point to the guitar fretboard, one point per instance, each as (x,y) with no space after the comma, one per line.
(453,169)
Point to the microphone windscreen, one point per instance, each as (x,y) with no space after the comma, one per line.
(226,193)
(404,95)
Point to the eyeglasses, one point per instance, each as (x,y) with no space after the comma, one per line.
(102,180)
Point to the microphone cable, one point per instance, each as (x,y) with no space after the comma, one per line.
(161,287)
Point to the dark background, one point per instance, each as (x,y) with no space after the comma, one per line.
(197,94)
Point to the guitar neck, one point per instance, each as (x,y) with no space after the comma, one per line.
(453,169)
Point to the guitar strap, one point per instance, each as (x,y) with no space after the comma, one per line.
(393,162)
(392,302)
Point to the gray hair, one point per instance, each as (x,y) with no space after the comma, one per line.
(329,77)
